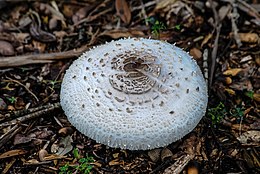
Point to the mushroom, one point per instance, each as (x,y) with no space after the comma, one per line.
(134,94)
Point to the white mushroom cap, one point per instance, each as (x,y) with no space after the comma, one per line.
(134,94)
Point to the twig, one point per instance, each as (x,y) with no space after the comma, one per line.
(15,114)
(217,26)
(205,65)
(40,58)
(25,87)
(31,115)
(214,54)
(148,4)
(144,12)
(179,165)
(248,9)
(234,16)
(9,134)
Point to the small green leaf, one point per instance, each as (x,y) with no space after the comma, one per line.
(76,153)
(178,27)
(250,94)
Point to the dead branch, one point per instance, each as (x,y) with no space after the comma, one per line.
(9,134)
(217,26)
(33,115)
(40,58)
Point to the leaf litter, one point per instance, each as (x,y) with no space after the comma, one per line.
(39,40)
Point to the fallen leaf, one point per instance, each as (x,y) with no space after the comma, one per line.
(64,146)
(41,134)
(255,124)
(249,136)
(3,105)
(80,14)
(53,157)
(65,131)
(256,97)
(97,164)
(196,53)
(230,91)
(166,154)
(244,84)
(115,34)
(249,37)
(38,34)
(115,155)
(12,153)
(206,39)
(245,59)
(8,166)
(223,11)
(123,11)
(232,72)
(154,154)
(164,3)
(6,49)
(32,161)
(42,154)
(228,80)
(115,162)
(21,139)
(257,59)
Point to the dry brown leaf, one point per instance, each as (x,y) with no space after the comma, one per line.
(246,58)
(42,154)
(228,80)
(38,34)
(115,34)
(123,11)
(166,153)
(115,162)
(21,139)
(256,97)
(115,155)
(232,72)
(164,3)
(154,154)
(195,53)
(193,168)
(53,157)
(65,131)
(223,11)
(97,164)
(249,136)
(32,161)
(249,37)
(8,166)
(80,14)
(63,147)
(230,91)
(257,59)
(12,153)
(6,49)
(3,105)
(206,39)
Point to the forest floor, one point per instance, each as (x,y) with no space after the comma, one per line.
(40,40)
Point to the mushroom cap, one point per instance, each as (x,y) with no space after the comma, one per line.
(134,94)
